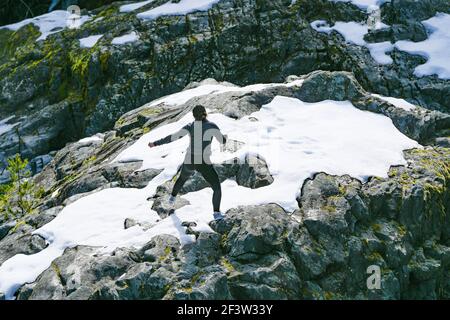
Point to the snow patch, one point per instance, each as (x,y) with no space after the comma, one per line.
(90,41)
(48,23)
(89,140)
(127,38)
(181,8)
(182,97)
(399,103)
(435,48)
(353,33)
(296,139)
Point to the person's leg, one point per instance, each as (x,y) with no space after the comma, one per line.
(186,172)
(209,173)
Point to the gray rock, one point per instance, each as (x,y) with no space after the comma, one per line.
(254,173)
(323,85)
(5,228)
(20,242)
(309,256)
(43,217)
(130,223)
(254,230)
(164,209)
(323,207)
(142,281)
(271,277)
(160,249)
(209,284)
(443,142)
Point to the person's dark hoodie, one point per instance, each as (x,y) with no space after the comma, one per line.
(201,134)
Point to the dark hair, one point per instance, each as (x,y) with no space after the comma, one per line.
(199,112)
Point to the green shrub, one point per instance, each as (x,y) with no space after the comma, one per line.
(21,196)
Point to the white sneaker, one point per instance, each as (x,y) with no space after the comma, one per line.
(218,215)
(172,200)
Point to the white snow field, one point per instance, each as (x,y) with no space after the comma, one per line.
(90,41)
(127,38)
(353,33)
(435,48)
(296,139)
(181,8)
(48,23)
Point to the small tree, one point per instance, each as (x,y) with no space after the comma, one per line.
(20,197)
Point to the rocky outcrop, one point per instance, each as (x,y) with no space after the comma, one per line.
(20,240)
(85,166)
(60,92)
(321,251)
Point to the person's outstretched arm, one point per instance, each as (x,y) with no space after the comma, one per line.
(219,136)
(171,138)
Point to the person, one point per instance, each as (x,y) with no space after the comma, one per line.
(198,154)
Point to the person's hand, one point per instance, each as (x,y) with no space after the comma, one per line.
(151,145)
(224,143)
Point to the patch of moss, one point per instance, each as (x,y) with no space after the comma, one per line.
(88,162)
(223,240)
(108,12)
(166,254)
(79,62)
(393,172)
(227,265)
(328,295)
(329,208)
(375,256)
(342,190)
(187,289)
(401,230)
(376,227)
(145,130)
(18,225)
(104,58)
(150,112)
(217,22)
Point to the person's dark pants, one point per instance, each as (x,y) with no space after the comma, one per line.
(209,174)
